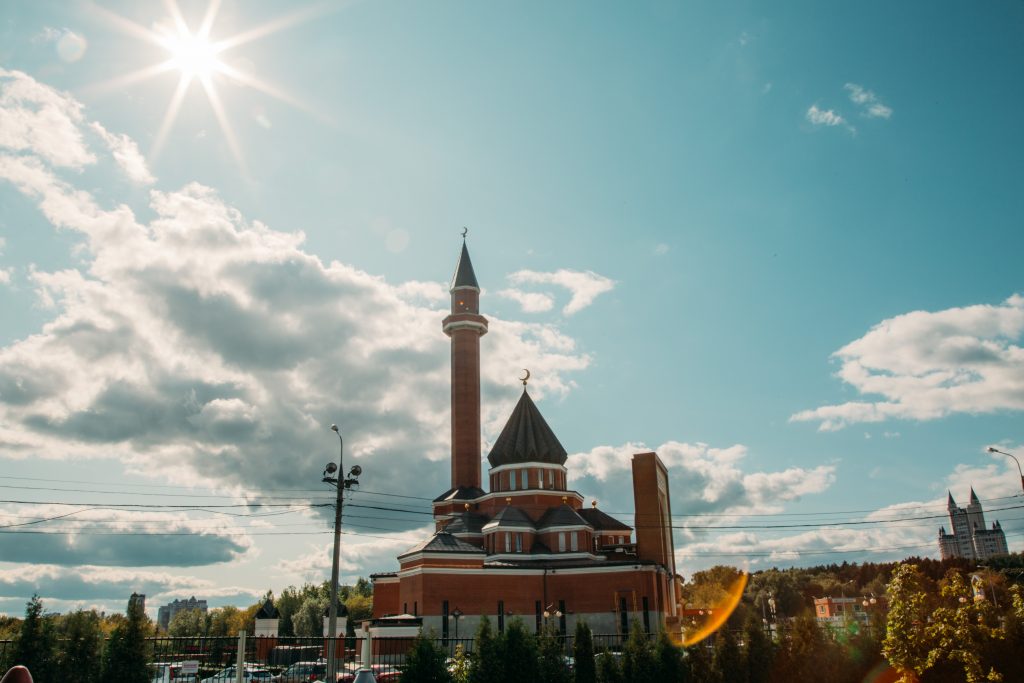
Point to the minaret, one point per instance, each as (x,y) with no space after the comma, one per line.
(465,326)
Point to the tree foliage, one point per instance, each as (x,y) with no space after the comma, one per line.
(125,658)
(425,662)
(79,658)
(583,654)
(36,645)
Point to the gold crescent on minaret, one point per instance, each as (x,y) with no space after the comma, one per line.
(525,379)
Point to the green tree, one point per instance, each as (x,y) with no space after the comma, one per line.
(962,630)
(308,621)
(460,665)
(759,652)
(363,588)
(668,659)
(125,659)
(36,645)
(487,663)
(187,623)
(585,670)
(728,660)
(701,667)
(551,657)
(80,657)
(359,607)
(520,653)
(608,669)
(425,662)
(638,657)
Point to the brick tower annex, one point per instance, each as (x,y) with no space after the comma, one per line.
(528,547)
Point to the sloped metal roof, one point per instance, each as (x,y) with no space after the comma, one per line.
(464,275)
(526,438)
(443,542)
(563,515)
(602,521)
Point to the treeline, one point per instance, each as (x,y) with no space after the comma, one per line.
(802,652)
(300,612)
(77,648)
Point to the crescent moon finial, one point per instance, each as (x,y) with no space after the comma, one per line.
(465,230)
(526,378)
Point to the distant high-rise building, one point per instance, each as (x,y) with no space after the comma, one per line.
(139,598)
(167,612)
(970,539)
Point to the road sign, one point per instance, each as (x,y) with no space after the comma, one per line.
(190,667)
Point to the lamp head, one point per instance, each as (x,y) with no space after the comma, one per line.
(334,428)
(331,468)
(355,471)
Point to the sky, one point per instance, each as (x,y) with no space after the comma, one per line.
(778,245)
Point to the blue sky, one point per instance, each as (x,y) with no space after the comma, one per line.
(780,248)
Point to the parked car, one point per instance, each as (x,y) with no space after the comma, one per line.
(228,675)
(301,672)
(170,672)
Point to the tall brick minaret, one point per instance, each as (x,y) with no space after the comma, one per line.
(465,326)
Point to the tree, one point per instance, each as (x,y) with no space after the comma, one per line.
(425,662)
(125,660)
(187,623)
(608,669)
(551,660)
(363,588)
(460,665)
(759,653)
(637,657)
(909,608)
(668,659)
(962,630)
(486,664)
(36,644)
(308,621)
(79,659)
(728,661)
(359,607)
(701,669)
(520,653)
(583,654)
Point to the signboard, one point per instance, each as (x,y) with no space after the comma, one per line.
(190,667)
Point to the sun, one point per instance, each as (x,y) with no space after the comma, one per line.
(196,57)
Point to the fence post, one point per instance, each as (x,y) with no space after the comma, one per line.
(240,658)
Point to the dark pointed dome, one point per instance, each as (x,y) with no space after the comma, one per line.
(526,438)
(464,275)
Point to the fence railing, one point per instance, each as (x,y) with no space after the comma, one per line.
(211,655)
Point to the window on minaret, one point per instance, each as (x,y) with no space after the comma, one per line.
(512,480)
(508,543)
(574,541)
(519,542)
(561,541)
(551,479)
(524,482)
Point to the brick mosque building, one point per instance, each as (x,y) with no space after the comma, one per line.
(528,546)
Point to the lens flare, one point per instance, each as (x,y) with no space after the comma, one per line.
(715,616)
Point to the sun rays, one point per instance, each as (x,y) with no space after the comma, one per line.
(199,58)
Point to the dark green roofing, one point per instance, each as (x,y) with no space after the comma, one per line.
(461,493)
(563,515)
(466,523)
(464,275)
(602,521)
(442,542)
(526,438)
(510,516)
(267,611)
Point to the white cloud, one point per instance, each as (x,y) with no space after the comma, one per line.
(5,275)
(871,106)
(661,249)
(531,302)
(37,118)
(127,155)
(824,117)
(584,286)
(199,347)
(927,365)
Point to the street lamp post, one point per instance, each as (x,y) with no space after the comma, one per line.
(456,615)
(340,483)
(1010,455)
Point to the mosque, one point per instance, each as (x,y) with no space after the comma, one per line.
(527,547)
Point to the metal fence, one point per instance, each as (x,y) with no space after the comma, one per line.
(278,655)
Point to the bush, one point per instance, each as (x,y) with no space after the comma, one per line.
(583,654)
(425,662)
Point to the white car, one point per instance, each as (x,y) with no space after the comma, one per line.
(228,676)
